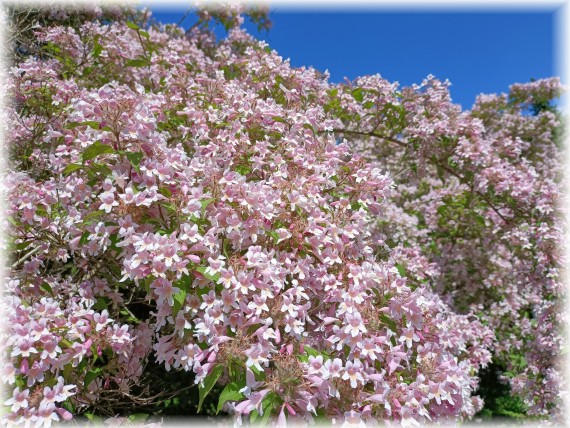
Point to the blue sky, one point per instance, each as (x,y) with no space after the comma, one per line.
(477,51)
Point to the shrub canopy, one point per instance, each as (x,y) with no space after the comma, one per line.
(350,252)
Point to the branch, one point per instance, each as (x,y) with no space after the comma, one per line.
(482,195)
(26,257)
(184,17)
(444,167)
(371,134)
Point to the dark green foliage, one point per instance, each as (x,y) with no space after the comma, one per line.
(498,401)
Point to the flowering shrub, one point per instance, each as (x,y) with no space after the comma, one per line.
(187,201)
(479,193)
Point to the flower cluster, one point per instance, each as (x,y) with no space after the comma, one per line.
(205,205)
(477,210)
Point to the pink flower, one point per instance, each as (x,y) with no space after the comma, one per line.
(108,199)
(19,400)
(353,372)
(355,325)
(165,291)
(409,335)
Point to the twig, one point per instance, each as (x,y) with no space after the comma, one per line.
(184,17)
(371,134)
(444,167)
(26,257)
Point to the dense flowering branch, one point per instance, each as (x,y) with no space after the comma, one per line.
(488,182)
(183,199)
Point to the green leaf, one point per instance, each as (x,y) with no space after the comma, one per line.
(210,380)
(206,202)
(202,270)
(440,173)
(259,374)
(267,405)
(311,351)
(96,419)
(144,34)
(274,235)
(230,393)
(170,207)
(70,168)
(92,216)
(90,123)
(81,366)
(83,239)
(401,270)
(243,169)
(310,127)
(133,26)
(179,299)
(96,149)
(355,205)
(279,119)
(134,158)
(389,322)
(97,50)
(22,245)
(480,220)
(138,62)
(45,286)
(184,283)
(91,375)
(358,94)
(138,417)
(95,168)
(100,304)
(64,343)
(166,192)
(68,405)
(266,413)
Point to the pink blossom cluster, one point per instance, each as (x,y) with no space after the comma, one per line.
(51,349)
(190,200)
(477,208)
